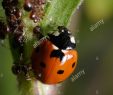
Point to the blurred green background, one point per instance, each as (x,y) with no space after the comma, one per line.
(95,50)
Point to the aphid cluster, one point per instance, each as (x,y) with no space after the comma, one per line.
(13,15)
(36,9)
(22,69)
(15,26)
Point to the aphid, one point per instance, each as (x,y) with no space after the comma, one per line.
(16,69)
(34,16)
(28,5)
(36,30)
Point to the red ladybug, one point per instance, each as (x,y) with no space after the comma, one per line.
(55,58)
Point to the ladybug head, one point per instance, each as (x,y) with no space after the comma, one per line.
(63,38)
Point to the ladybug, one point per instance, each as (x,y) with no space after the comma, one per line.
(54,60)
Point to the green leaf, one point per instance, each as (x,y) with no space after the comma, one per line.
(58,12)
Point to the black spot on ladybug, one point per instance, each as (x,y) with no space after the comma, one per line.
(60,71)
(57,53)
(42,64)
(73,64)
